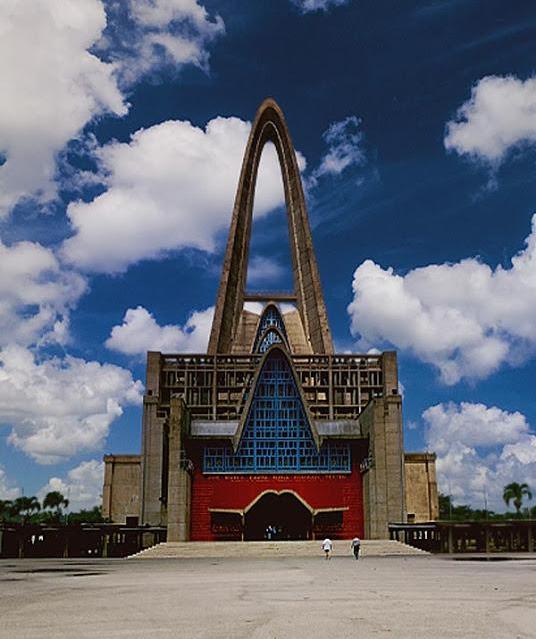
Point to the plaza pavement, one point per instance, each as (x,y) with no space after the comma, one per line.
(270,598)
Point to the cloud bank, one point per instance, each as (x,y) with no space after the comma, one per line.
(51,87)
(64,63)
(466,318)
(171,187)
(7,490)
(140,333)
(36,295)
(480,449)
(499,116)
(82,485)
(60,407)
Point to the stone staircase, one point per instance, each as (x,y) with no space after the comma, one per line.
(272,549)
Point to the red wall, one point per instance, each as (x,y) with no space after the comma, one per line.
(237,491)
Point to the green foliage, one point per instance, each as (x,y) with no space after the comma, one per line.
(24,507)
(27,510)
(450,512)
(515,493)
(55,501)
(445,506)
(6,509)
(93,516)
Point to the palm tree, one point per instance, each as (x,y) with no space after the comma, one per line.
(25,506)
(55,500)
(515,492)
(6,509)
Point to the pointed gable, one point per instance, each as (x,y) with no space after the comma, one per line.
(277,436)
(271,330)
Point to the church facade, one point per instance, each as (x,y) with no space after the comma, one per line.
(271,434)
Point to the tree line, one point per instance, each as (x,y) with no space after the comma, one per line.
(513,492)
(28,510)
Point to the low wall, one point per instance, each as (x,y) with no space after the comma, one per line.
(515,535)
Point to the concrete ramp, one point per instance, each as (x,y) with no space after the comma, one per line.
(267,549)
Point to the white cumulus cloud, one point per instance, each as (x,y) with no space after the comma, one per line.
(7,490)
(140,333)
(171,187)
(82,485)
(60,407)
(51,86)
(36,295)
(499,115)
(480,450)
(466,318)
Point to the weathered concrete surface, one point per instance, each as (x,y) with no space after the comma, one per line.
(272,549)
(422,501)
(399,598)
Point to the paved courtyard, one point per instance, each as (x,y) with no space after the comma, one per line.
(394,597)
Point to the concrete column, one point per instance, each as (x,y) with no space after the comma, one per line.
(107,489)
(179,481)
(383,483)
(152,445)
(390,373)
(450,540)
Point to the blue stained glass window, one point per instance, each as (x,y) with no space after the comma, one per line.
(277,437)
(270,337)
(271,318)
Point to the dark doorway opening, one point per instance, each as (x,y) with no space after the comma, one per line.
(278,517)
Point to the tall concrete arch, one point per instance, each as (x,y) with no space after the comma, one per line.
(270,126)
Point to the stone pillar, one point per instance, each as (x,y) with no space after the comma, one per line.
(107,490)
(383,483)
(390,373)
(152,446)
(179,481)
(450,539)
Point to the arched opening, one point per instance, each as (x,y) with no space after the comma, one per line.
(278,517)
(270,126)
(271,330)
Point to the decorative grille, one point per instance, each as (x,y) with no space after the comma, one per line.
(271,318)
(277,437)
(270,337)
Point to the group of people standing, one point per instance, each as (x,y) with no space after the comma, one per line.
(327,547)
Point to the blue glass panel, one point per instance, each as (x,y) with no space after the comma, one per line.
(277,437)
(270,318)
(271,337)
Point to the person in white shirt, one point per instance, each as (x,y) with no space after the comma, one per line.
(356,545)
(327,546)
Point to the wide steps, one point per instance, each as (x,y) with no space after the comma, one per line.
(267,549)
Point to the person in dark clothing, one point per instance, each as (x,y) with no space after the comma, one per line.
(356,546)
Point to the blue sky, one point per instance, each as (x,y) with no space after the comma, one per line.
(122,129)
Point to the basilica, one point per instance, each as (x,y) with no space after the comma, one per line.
(271,434)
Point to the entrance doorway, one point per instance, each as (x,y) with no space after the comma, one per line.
(278,516)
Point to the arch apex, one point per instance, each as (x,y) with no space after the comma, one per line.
(270,126)
(270,103)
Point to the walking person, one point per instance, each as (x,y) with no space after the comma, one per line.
(356,546)
(327,547)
